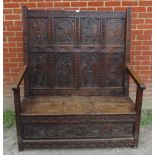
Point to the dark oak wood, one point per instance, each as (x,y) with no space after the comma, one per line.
(76,81)
(77,105)
(20,77)
(135,77)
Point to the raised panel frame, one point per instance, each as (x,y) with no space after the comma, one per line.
(77,47)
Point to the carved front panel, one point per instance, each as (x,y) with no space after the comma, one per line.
(38,70)
(64,31)
(90,130)
(114,69)
(115,31)
(38,31)
(89,69)
(90,31)
(64,63)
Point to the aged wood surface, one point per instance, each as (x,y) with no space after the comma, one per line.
(76,50)
(135,77)
(76,105)
(76,81)
(20,77)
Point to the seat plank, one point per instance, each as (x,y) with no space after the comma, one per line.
(76,105)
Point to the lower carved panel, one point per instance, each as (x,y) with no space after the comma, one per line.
(128,142)
(89,69)
(89,130)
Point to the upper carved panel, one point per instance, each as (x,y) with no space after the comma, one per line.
(38,31)
(89,69)
(64,31)
(90,31)
(38,71)
(64,70)
(115,31)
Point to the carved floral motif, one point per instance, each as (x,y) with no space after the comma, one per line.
(64,30)
(38,31)
(90,29)
(38,71)
(114,33)
(64,70)
(88,69)
(113,68)
(80,131)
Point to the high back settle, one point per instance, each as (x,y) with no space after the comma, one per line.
(76,81)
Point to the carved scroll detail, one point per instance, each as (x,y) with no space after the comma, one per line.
(64,70)
(88,69)
(114,72)
(78,131)
(38,70)
(115,31)
(90,32)
(38,31)
(64,31)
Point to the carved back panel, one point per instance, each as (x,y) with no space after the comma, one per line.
(76,53)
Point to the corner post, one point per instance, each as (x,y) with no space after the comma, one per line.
(17,104)
(138,106)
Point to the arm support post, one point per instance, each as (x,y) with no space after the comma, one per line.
(138,103)
(17,103)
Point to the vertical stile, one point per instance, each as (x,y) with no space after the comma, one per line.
(127,53)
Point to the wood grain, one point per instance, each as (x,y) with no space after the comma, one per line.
(76,105)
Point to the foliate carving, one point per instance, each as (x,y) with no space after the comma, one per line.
(90,31)
(114,72)
(38,70)
(64,69)
(64,31)
(78,131)
(82,144)
(115,31)
(89,69)
(38,31)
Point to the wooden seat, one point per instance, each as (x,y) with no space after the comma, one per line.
(77,105)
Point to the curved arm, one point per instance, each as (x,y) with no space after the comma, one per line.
(135,77)
(16,88)
(20,77)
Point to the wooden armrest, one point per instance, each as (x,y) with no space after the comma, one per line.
(135,77)
(20,77)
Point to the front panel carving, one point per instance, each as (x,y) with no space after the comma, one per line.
(89,69)
(90,31)
(64,64)
(95,130)
(38,70)
(64,31)
(38,31)
(114,69)
(115,31)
